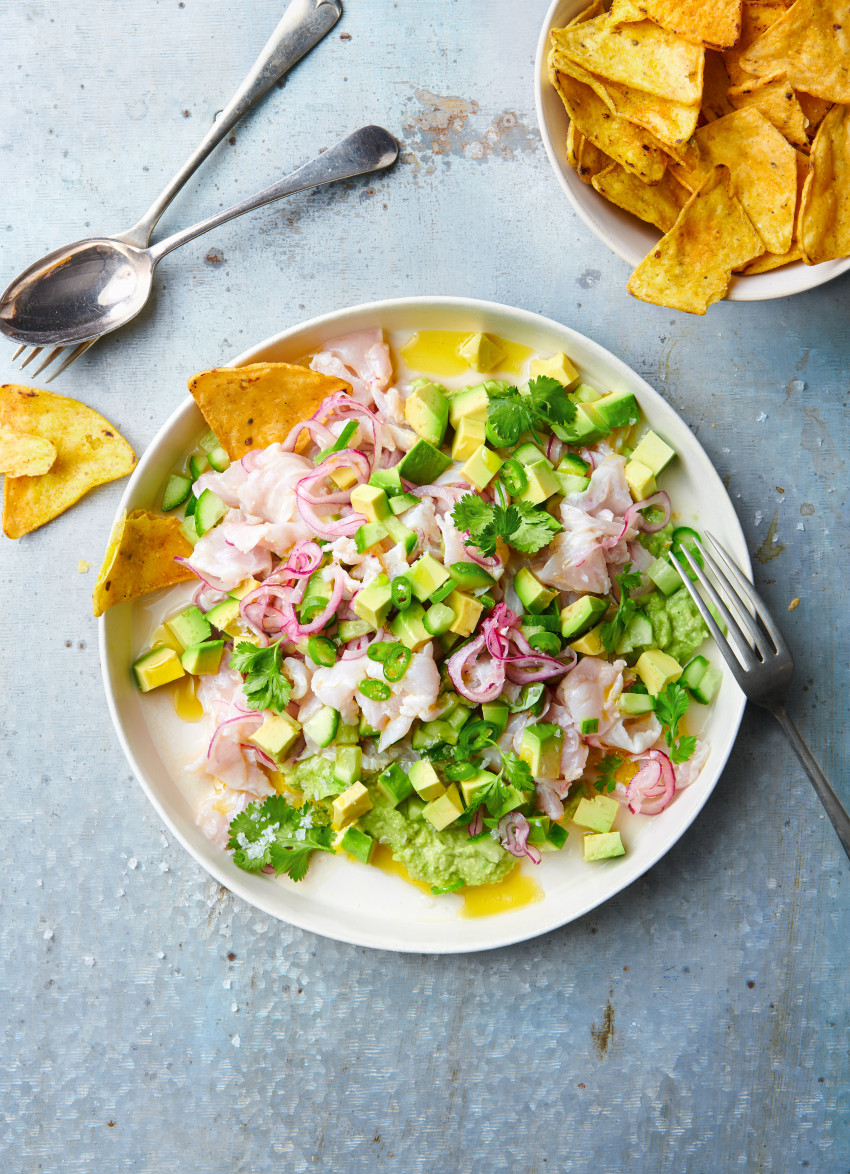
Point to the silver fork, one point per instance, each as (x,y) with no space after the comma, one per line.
(302,26)
(760,660)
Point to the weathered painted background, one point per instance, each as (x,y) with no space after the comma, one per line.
(698,1022)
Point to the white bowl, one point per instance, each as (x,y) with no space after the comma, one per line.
(623,233)
(340,898)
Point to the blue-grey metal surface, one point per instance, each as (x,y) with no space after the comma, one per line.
(697,1022)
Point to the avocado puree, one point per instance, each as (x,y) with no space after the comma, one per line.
(677,626)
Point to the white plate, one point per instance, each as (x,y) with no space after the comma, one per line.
(339,898)
(623,233)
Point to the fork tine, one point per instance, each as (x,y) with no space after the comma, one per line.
(36,350)
(746,619)
(54,354)
(20,349)
(749,594)
(78,350)
(743,653)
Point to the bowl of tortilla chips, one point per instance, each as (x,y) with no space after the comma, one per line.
(706,142)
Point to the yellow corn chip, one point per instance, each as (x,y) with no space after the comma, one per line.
(824,224)
(640,55)
(89,452)
(24,455)
(770,261)
(588,13)
(764,171)
(757,16)
(810,43)
(815,110)
(715,103)
(692,265)
(618,138)
(658,204)
(713,23)
(625,12)
(774,97)
(586,159)
(140,558)
(254,406)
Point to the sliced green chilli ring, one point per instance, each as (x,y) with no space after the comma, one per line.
(321,650)
(684,538)
(402,593)
(397,663)
(380,650)
(513,476)
(375,690)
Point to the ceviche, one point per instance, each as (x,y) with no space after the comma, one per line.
(446,619)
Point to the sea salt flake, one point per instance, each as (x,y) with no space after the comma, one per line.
(235,1040)
(759,517)
(234,1006)
(226,983)
(48,935)
(160,954)
(800,526)
(132,862)
(163,867)
(88,959)
(761,417)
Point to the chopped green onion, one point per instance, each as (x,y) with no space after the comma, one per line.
(375,690)
(321,650)
(402,593)
(340,443)
(397,663)
(443,592)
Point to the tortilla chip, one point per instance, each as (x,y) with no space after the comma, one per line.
(24,455)
(254,406)
(583,157)
(824,224)
(691,266)
(715,103)
(640,55)
(757,16)
(595,9)
(774,97)
(764,171)
(811,44)
(618,138)
(770,261)
(713,23)
(815,110)
(658,204)
(625,12)
(140,558)
(89,452)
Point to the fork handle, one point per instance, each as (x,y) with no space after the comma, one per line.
(302,26)
(838,816)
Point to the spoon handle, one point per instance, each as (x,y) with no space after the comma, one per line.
(302,26)
(369,149)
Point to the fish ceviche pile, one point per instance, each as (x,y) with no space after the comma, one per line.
(451,621)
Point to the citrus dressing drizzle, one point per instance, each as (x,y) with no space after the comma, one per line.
(436,353)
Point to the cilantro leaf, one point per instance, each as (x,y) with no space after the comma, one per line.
(670,707)
(608,767)
(265,685)
(521,525)
(274,832)
(517,772)
(509,413)
(611,632)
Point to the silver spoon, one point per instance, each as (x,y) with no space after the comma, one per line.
(88,289)
(302,26)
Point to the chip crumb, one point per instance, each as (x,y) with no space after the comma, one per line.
(795,602)
(82,566)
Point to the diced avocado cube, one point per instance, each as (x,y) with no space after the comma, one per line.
(497,713)
(471,403)
(468,438)
(445,809)
(423,463)
(157,667)
(578,617)
(541,747)
(618,409)
(583,393)
(244,588)
(394,784)
(603,846)
(533,596)
(665,576)
(322,726)
(190,626)
(482,352)
(653,452)
(569,483)
(590,644)
(400,533)
(209,511)
(277,735)
(203,658)
(528,454)
(635,704)
(402,502)
(558,367)
(656,669)
(350,805)
(640,480)
(357,844)
(373,603)
(470,575)
(414,808)
(637,636)
(542,483)
(426,575)
(224,615)
(425,780)
(513,798)
(585,429)
(353,629)
(597,814)
(370,501)
(388,480)
(475,784)
(347,735)
(347,764)
(409,627)
(467,612)
(426,410)
(344,476)
(369,536)
(481,467)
